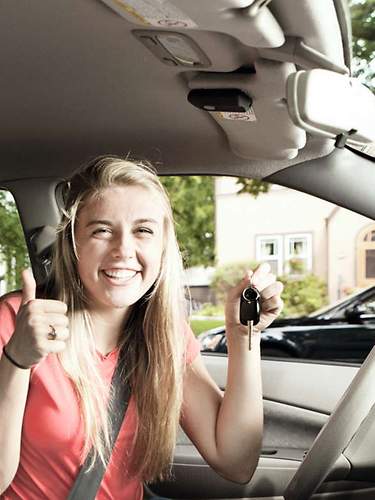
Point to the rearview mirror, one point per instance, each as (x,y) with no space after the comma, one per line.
(329,104)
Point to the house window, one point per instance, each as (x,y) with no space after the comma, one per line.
(269,249)
(370,264)
(298,254)
(366,256)
(286,254)
(370,236)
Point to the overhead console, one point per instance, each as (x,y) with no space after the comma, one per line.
(265,129)
(274,85)
(249,21)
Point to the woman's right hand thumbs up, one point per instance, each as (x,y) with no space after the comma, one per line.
(42,326)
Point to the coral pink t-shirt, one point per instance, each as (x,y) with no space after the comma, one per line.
(52,432)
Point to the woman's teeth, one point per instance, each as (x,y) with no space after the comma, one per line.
(120,275)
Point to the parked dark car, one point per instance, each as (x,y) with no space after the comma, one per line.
(344,331)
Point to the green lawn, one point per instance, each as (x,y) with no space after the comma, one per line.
(201,325)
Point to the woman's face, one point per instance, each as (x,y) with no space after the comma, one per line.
(119,238)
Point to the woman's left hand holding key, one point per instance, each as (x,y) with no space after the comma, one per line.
(270,300)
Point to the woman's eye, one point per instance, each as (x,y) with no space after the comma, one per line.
(102,231)
(145,230)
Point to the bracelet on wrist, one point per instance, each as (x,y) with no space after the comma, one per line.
(14,362)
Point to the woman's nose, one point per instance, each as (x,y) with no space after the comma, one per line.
(124,247)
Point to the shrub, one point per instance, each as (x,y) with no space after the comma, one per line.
(303,296)
(227,276)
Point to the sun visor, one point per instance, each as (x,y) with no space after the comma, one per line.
(327,104)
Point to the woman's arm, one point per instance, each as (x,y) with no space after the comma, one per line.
(227,428)
(26,339)
(14,384)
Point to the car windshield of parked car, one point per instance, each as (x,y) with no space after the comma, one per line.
(334,306)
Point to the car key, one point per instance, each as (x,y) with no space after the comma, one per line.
(250,309)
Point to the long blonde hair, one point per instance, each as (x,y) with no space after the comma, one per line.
(152,340)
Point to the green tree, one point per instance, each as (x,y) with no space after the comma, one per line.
(252,186)
(363,28)
(192,199)
(13,252)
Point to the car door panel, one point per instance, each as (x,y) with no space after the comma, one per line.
(198,480)
(295,408)
(296,383)
(287,427)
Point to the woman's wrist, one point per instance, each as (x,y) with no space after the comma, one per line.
(237,340)
(13,361)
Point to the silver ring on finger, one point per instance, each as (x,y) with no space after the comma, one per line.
(52,335)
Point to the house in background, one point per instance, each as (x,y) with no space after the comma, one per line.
(297,234)
(198,279)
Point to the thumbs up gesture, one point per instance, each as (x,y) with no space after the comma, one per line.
(29,286)
(41,326)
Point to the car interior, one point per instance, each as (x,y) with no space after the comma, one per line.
(245,88)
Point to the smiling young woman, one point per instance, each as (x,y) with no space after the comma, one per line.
(115,294)
(119,220)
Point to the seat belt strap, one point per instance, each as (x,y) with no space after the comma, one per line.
(87,483)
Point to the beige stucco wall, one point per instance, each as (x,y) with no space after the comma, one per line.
(344,229)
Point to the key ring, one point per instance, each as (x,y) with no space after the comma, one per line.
(52,335)
(251,294)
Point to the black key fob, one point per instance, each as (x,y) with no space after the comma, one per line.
(250,306)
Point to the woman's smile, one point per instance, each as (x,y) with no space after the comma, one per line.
(120,276)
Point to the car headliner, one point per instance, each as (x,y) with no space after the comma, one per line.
(76,83)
